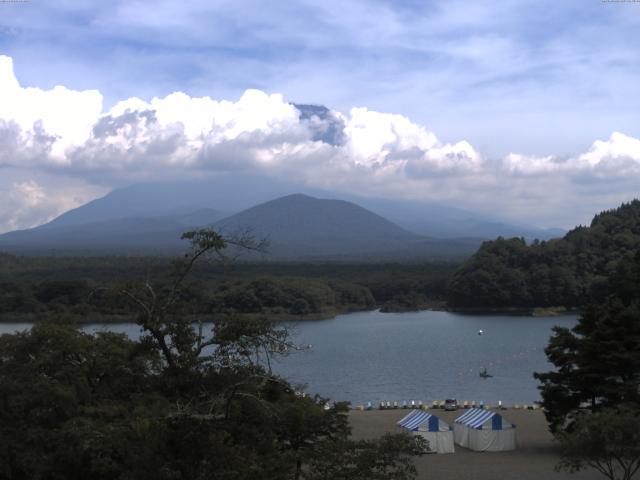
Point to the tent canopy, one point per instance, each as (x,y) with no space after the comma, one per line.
(438,433)
(484,431)
(483,419)
(423,421)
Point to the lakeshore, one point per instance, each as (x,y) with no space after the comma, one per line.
(534,459)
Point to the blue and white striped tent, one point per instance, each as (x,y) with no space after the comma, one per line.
(484,431)
(431,428)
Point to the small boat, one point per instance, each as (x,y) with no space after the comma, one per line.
(480,332)
(484,374)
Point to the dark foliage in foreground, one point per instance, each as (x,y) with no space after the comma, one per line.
(592,398)
(607,440)
(180,403)
(570,271)
(598,361)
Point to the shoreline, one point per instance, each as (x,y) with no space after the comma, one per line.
(34,318)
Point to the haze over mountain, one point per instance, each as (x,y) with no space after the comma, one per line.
(231,193)
(149,218)
(297,227)
(300,226)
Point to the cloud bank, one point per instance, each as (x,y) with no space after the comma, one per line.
(78,151)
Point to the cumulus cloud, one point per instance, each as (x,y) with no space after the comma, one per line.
(615,158)
(63,114)
(65,130)
(67,133)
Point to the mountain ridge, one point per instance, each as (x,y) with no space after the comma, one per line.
(299,226)
(232,193)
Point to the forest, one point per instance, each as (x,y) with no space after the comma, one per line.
(569,272)
(87,289)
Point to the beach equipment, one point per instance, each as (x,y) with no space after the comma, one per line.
(437,432)
(484,431)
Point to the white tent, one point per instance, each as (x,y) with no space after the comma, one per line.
(484,431)
(431,428)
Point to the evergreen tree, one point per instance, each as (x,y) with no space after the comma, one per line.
(598,361)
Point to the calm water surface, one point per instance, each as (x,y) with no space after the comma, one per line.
(373,356)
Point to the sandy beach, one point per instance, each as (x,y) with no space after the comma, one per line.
(534,459)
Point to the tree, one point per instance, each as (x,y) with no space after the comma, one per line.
(592,399)
(181,403)
(608,440)
(598,361)
(568,271)
(73,405)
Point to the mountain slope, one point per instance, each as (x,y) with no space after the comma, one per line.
(129,235)
(569,271)
(300,225)
(234,192)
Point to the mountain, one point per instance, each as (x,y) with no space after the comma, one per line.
(298,227)
(128,235)
(441,221)
(570,271)
(233,192)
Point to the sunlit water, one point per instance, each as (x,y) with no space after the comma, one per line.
(373,356)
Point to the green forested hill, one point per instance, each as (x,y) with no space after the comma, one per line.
(568,271)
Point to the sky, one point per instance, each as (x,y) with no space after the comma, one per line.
(527,109)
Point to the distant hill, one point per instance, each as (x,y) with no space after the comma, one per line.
(233,192)
(568,271)
(298,227)
(129,235)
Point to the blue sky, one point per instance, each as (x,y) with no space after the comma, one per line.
(533,77)
(506,75)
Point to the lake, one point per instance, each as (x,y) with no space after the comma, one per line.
(427,355)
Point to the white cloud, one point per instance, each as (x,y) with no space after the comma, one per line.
(64,114)
(66,133)
(617,157)
(28,203)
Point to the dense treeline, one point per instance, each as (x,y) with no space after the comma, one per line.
(570,271)
(87,289)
